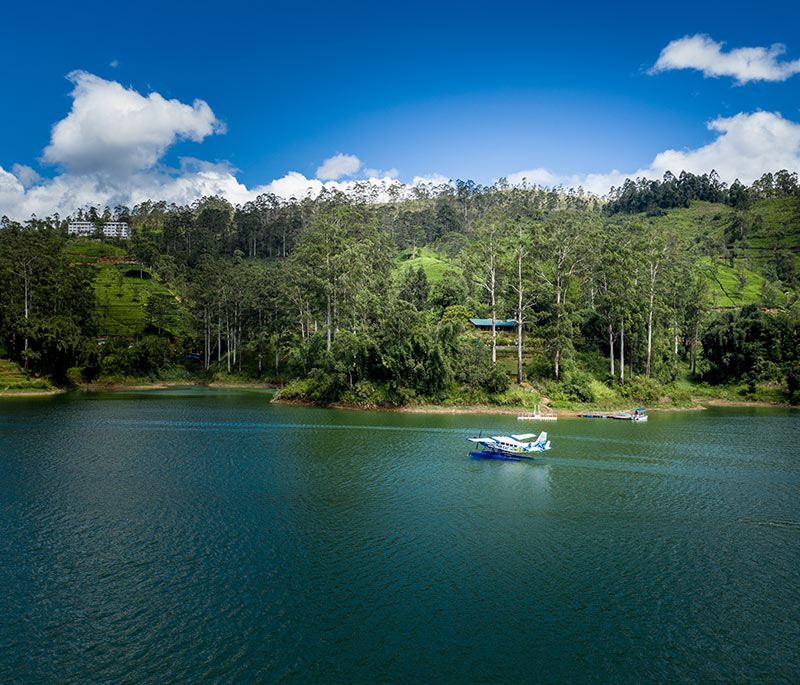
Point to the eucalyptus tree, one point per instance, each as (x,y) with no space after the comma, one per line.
(466,193)
(484,261)
(656,252)
(341,253)
(303,291)
(200,297)
(270,307)
(215,215)
(698,306)
(560,256)
(614,276)
(319,248)
(520,254)
(683,291)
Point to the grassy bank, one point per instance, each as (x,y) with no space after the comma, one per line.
(16,381)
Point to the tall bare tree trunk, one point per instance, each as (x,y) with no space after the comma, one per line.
(207,321)
(277,357)
(519,310)
(649,334)
(675,339)
(611,346)
(328,321)
(557,364)
(27,316)
(219,336)
(227,341)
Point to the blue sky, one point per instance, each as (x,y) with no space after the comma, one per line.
(558,93)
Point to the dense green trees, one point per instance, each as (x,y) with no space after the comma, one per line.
(644,195)
(312,290)
(47,307)
(750,345)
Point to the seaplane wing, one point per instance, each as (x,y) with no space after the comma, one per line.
(540,440)
(524,436)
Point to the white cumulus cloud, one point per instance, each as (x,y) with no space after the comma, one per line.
(535,177)
(27,176)
(701,52)
(337,166)
(116,131)
(379,173)
(747,146)
(430,179)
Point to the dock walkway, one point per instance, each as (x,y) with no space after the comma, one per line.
(635,415)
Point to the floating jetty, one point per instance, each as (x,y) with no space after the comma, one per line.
(537,416)
(635,415)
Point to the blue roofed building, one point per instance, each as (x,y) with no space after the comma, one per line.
(499,324)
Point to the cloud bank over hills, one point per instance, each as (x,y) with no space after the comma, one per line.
(747,145)
(109,149)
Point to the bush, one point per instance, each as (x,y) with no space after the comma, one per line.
(298,389)
(579,387)
(793,384)
(643,390)
(368,394)
(74,376)
(476,371)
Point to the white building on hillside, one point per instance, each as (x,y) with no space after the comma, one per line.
(111,229)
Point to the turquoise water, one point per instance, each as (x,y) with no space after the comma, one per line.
(207,535)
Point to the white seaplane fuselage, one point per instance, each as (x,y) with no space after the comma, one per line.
(513,445)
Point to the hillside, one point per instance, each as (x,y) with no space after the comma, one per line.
(433,263)
(744,250)
(130,299)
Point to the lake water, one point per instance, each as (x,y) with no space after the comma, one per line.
(207,535)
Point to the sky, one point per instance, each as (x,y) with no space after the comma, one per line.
(116,103)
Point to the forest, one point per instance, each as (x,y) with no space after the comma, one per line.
(660,291)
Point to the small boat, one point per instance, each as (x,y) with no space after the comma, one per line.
(635,415)
(511,447)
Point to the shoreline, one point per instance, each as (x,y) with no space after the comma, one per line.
(33,393)
(699,403)
(165,385)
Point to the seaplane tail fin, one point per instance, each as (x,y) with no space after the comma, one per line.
(542,438)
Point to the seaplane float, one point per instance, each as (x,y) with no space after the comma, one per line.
(511,447)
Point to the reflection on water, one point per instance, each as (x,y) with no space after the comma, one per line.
(197,534)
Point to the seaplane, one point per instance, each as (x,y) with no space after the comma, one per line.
(511,447)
